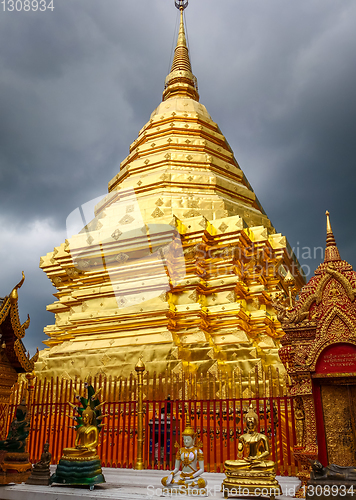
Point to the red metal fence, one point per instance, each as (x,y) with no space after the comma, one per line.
(218,423)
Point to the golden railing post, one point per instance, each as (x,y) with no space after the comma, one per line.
(30,396)
(140,368)
(30,393)
(7,383)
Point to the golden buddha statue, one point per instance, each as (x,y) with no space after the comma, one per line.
(81,465)
(253,473)
(86,440)
(190,457)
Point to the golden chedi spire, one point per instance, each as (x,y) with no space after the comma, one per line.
(181,82)
(120,296)
(331,250)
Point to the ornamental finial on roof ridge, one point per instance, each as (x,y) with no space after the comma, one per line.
(331,250)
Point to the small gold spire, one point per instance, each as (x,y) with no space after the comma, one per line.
(289,280)
(188,430)
(140,367)
(181,59)
(181,82)
(331,250)
(330,240)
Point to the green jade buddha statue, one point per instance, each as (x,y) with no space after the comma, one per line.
(81,465)
(15,466)
(18,432)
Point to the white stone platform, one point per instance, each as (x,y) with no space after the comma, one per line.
(125,484)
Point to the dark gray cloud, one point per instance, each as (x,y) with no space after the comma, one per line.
(78,83)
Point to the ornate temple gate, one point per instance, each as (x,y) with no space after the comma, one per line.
(216,406)
(335,389)
(340,425)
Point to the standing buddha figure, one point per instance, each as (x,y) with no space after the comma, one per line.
(189,465)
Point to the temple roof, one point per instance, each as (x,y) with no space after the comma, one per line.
(333,279)
(12,332)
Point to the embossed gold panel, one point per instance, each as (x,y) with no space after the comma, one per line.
(339,406)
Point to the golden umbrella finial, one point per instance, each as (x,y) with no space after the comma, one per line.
(181,81)
(181,61)
(181,4)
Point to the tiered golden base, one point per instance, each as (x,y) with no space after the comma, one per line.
(250,483)
(16,468)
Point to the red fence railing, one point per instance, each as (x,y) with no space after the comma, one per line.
(217,422)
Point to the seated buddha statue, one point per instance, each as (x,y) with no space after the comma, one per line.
(81,465)
(18,432)
(190,460)
(40,473)
(86,440)
(45,460)
(253,472)
(257,446)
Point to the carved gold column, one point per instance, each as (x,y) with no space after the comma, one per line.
(306,448)
(8,377)
(30,395)
(140,368)
(30,392)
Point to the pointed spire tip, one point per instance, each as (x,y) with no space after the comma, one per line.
(181,82)
(331,250)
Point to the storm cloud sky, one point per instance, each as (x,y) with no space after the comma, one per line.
(78,83)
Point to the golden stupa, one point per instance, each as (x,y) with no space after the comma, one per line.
(180,261)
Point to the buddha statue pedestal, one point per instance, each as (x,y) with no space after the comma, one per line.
(79,473)
(253,475)
(249,482)
(84,470)
(15,466)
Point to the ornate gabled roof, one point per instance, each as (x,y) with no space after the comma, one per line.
(12,332)
(326,307)
(333,267)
